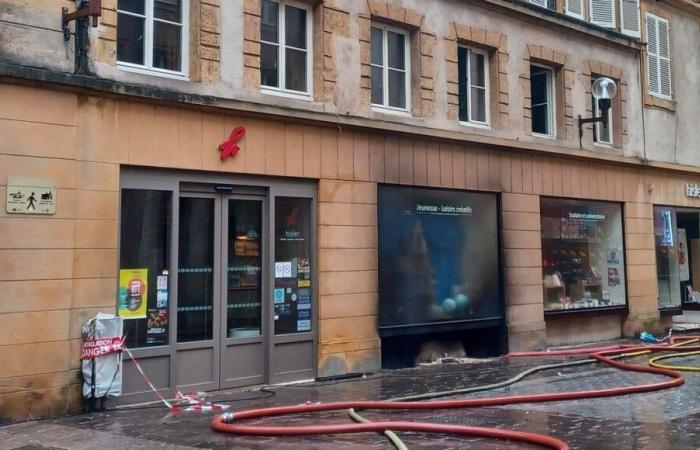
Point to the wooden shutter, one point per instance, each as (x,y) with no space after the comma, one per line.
(542,3)
(602,13)
(574,8)
(664,58)
(658,56)
(629,17)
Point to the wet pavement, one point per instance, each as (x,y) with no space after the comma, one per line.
(668,419)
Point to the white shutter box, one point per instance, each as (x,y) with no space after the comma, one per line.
(602,13)
(574,8)
(629,12)
(542,3)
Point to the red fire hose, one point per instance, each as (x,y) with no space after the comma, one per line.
(224,423)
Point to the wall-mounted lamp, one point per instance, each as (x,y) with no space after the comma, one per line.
(604,90)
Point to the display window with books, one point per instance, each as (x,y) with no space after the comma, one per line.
(583,262)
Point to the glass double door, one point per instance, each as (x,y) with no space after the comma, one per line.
(221,290)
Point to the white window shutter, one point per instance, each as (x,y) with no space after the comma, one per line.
(602,13)
(652,55)
(658,56)
(664,58)
(629,12)
(574,8)
(542,3)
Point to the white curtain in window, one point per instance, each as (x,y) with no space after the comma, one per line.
(602,13)
(629,17)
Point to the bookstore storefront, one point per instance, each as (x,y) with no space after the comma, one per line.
(198,256)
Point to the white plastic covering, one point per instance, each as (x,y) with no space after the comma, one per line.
(108,368)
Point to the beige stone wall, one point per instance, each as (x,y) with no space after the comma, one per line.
(56,271)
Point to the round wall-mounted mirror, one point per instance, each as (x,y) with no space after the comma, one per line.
(604,88)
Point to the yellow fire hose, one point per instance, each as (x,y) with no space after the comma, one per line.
(653,363)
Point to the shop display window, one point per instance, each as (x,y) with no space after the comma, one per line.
(438,257)
(144,260)
(293,272)
(582,255)
(672,256)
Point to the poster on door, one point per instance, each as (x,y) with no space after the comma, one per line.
(133,293)
(683,269)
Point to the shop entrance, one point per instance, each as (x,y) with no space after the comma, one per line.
(220,286)
(224,268)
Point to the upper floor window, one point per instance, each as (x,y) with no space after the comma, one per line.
(600,12)
(153,34)
(285,46)
(542,100)
(549,4)
(390,68)
(473,74)
(658,56)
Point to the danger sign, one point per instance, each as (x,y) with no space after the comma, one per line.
(101,346)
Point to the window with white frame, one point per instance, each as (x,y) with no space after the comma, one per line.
(658,57)
(542,100)
(153,35)
(285,46)
(473,77)
(390,68)
(602,133)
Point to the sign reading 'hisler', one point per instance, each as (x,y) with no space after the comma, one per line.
(692,190)
(30,196)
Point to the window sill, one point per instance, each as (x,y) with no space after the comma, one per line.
(653,101)
(604,145)
(618,309)
(288,94)
(393,111)
(671,311)
(481,126)
(550,137)
(126,67)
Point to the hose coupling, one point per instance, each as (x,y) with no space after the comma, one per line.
(227,417)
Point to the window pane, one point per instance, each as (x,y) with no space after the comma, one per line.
(428,254)
(195,286)
(244,271)
(166,46)
(395,50)
(295,27)
(538,85)
(397,89)
(293,289)
(130,39)
(134,6)
(295,66)
(268,65)
(268,21)
(540,120)
(168,10)
(377,49)
(602,133)
(144,260)
(476,66)
(478,99)
(672,262)
(582,254)
(377,86)
(462,55)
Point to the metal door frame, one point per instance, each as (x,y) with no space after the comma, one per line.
(178,182)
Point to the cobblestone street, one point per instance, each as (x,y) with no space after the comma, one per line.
(668,419)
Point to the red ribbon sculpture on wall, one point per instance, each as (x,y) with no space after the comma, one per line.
(229,147)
